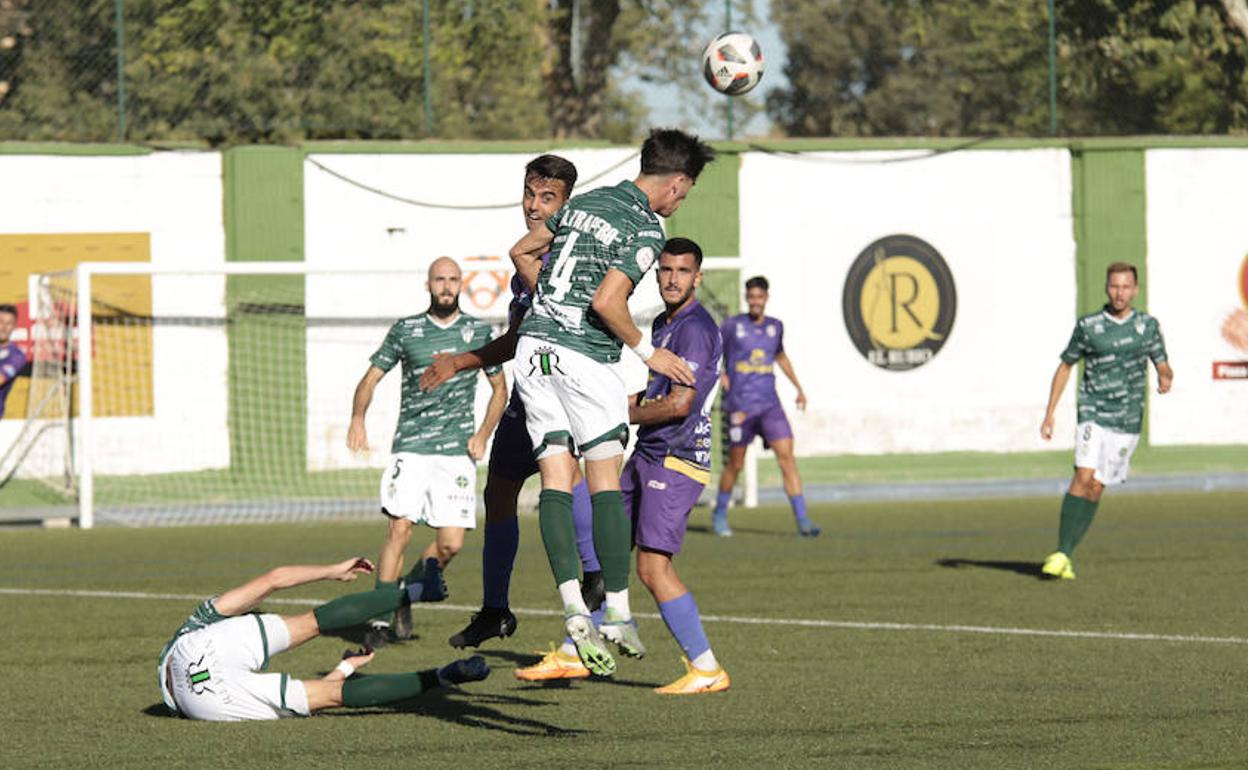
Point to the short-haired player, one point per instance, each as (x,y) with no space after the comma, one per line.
(753,347)
(665,476)
(431,476)
(602,243)
(1116,343)
(548,183)
(215,666)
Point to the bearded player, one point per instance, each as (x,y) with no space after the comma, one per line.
(431,476)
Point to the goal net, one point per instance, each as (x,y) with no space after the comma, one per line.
(224,395)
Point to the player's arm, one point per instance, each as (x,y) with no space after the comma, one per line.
(1165,376)
(786,366)
(526,255)
(1060,378)
(611,304)
(12,367)
(494,353)
(357,436)
(674,406)
(244,598)
(493,413)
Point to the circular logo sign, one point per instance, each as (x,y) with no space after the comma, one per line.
(899,302)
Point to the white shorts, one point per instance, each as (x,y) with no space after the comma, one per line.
(213,672)
(437,490)
(568,395)
(1105,450)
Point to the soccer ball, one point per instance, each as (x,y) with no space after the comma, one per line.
(733,63)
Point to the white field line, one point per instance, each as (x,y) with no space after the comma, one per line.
(843,624)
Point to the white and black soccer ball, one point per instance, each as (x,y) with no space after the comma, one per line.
(733,63)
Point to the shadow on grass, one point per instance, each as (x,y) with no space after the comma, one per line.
(705,530)
(450,705)
(1026,568)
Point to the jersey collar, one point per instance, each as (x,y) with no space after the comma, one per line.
(681,313)
(1118,321)
(634,192)
(435,322)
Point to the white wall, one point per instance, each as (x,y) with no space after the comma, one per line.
(346,225)
(1197,244)
(176,197)
(1002,222)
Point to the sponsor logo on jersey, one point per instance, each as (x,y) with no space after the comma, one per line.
(461,482)
(899,302)
(771,330)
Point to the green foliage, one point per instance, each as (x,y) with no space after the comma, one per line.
(980,68)
(229,71)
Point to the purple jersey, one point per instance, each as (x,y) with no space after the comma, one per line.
(750,351)
(12,361)
(692,335)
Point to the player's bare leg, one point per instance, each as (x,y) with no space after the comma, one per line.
(389,568)
(785,458)
(727,480)
(1078,509)
(448,542)
(680,613)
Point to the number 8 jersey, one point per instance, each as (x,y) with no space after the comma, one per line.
(611,227)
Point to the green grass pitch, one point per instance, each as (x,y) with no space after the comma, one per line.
(905,661)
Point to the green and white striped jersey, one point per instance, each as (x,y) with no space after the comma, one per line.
(438,422)
(611,227)
(1115,373)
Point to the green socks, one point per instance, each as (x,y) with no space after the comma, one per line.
(554,516)
(1077,513)
(613,538)
(354,609)
(380,689)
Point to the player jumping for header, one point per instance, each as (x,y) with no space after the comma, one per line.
(1115,344)
(548,183)
(753,342)
(602,243)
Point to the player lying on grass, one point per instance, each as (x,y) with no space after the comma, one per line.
(212,667)
(548,182)
(663,479)
(1116,343)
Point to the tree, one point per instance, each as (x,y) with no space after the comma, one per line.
(979,67)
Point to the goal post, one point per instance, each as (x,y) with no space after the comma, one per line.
(223,393)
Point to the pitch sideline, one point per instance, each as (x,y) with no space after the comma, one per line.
(798,622)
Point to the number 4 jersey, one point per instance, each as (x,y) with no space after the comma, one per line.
(611,227)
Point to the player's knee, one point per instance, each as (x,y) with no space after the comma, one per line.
(448,550)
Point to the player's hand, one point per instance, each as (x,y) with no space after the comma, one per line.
(801,400)
(667,363)
(476,446)
(724,381)
(359,658)
(346,571)
(357,437)
(1046,428)
(1164,382)
(438,372)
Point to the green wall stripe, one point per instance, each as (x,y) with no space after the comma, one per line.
(1111,224)
(263,207)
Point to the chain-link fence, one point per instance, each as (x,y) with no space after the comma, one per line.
(230,71)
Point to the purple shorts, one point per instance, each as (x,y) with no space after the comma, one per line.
(512,454)
(770,423)
(658,500)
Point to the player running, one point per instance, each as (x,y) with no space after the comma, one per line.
(548,182)
(753,343)
(665,475)
(212,668)
(1115,344)
(602,243)
(431,476)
